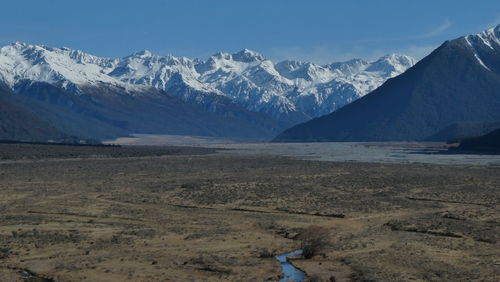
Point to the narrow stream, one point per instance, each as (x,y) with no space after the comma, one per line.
(291,272)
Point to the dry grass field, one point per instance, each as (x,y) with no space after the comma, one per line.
(189,214)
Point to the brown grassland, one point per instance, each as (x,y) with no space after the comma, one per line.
(188,214)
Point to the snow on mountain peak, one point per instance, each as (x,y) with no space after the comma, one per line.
(246,77)
(143,54)
(60,66)
(18,44)
(480,45)
(392,64)
(221,56)
(247,56)
(490,36)
(494,30)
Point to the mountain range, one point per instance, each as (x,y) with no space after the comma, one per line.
(241,94)
(452,93)
(53,93)
(289,90)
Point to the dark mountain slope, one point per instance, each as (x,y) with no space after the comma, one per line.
(459,82)
(486,143)
(18,123)
(107,112)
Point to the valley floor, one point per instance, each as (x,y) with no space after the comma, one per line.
(187,214)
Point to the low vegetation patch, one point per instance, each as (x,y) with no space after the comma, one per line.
(313,240)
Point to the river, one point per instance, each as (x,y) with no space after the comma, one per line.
(290,272)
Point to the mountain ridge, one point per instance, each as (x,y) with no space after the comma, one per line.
(290,91)
(457,83)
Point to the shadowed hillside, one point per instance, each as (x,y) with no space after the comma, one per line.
(486,143)
(457,83)
(17,123)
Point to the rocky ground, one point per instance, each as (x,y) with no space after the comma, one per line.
(179,214)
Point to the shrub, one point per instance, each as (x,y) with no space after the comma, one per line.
(265,253)
(313,239)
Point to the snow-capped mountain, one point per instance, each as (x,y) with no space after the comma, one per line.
(259,84)
(74,92)
(289,91)
(451,94)
(62,67)
(485,47)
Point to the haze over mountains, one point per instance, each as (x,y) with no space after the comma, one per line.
(452,93)
(242,94)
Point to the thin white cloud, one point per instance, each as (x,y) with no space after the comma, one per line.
(317,54)
(418,52)
(437,30)
(328,54)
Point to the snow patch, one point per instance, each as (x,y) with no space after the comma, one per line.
(246,77)
(474,52)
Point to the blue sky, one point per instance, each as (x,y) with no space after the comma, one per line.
(308,30)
